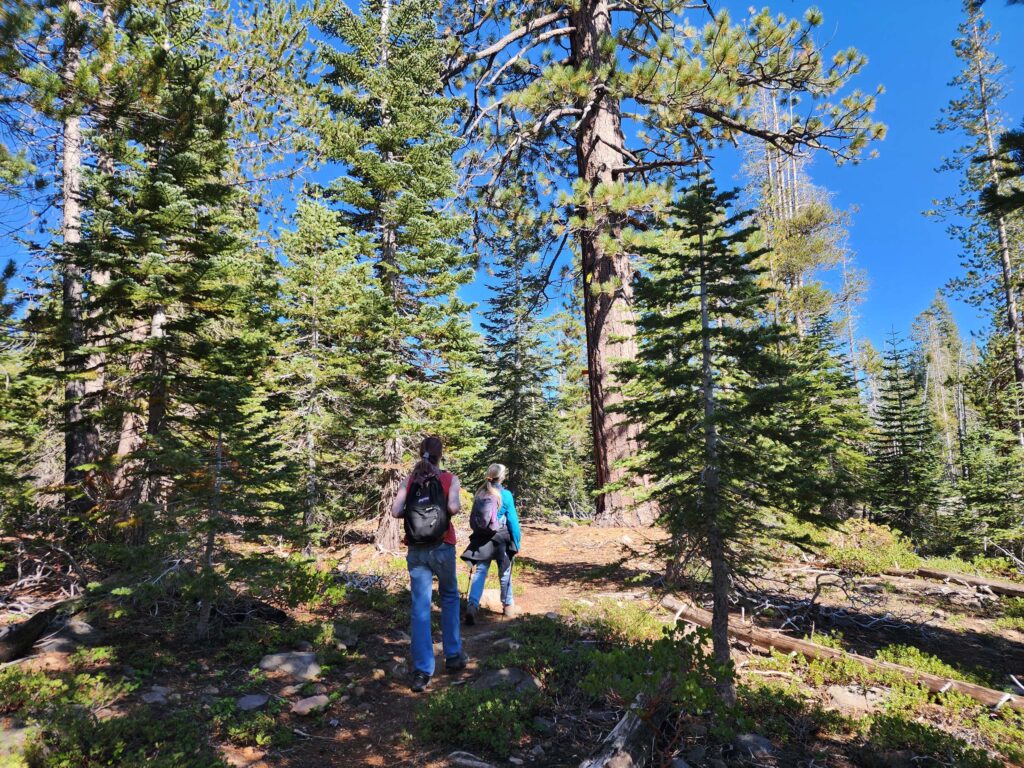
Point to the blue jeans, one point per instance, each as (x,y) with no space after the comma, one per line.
(426,562)
(476,586)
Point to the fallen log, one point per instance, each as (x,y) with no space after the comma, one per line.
(765,638)
(998,586)
(630,744)
(17,639)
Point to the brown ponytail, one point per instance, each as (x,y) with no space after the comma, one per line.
(430,459)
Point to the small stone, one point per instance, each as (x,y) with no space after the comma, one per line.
(359,691)
(334,722)
(537,751)
(551,615)
(310,705)
(506,644)
(378,674)
(403,637)
(304,645)
(345,633)
(399,669)
(297,664)
(291,690)
(490,600)
(155,695)
(340,647)
(174,698)
(58,644)
(516,760)
(520,680)
(466,760)
(210,690)
(627,540)
(252,702)
(82,632)
(319,689)
(753,745)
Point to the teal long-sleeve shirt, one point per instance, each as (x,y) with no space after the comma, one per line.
(508,509)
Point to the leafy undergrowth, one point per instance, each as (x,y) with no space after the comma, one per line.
(949,728)
(602,656)
(89,714)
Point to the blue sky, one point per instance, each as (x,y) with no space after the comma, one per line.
(907,256)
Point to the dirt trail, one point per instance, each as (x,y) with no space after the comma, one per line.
(375,728)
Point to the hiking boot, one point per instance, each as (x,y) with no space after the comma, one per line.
(420,681)
(509,611)
(471,612)
(456,663)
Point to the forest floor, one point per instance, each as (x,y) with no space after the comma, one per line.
(588,599)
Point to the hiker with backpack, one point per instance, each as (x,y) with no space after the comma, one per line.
(426,501)
(495,538)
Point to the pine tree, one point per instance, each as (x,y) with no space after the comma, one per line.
(549,82)
(991,243)
(394,142)
(905,455)
(329,353)
(1006,196)
(828,413)
(716,396)
(517,357)
(23,398)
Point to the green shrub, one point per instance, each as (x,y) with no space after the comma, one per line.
(892,731)
(909,656)
(72,738)
(868,549)
(469,718)
(782,709)
(616,621)
(996,567)
(1005,731)
(250,729)
(678,664)
(1013,608)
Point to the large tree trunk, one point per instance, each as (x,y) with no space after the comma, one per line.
(80,437)
(607,276)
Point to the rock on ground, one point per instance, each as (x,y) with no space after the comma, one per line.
(753,745)
(346,635)
(520,680)
(854,700)
(298,664)
(12,742)
(466,760)
(310,705)
(491,600)
(252,702)
(156,695)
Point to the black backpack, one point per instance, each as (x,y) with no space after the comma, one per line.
(426,512)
